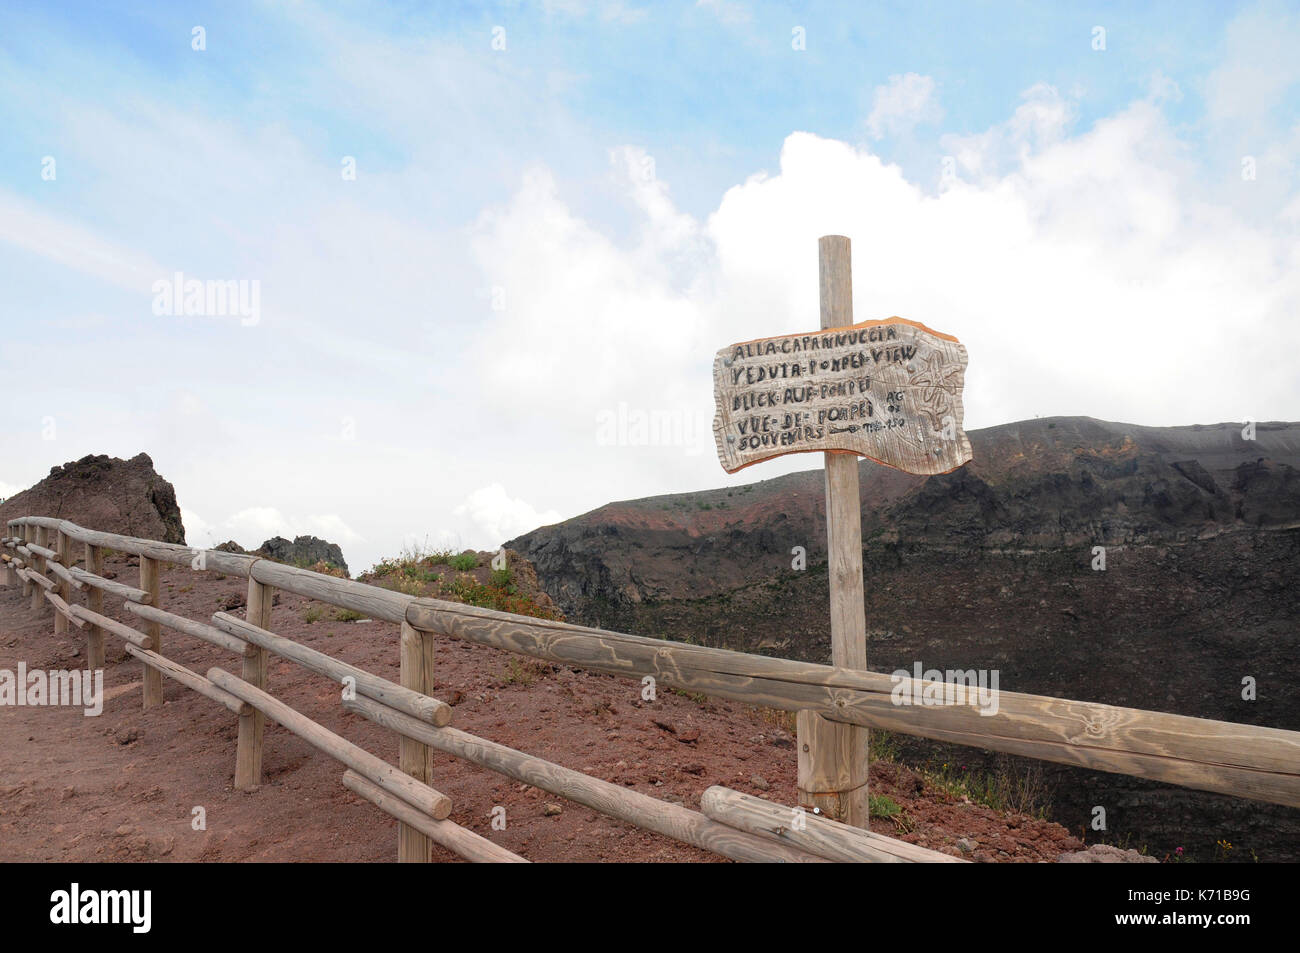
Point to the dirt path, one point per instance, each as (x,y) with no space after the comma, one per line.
(123,786)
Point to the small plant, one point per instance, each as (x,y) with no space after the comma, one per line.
(419,573)
(884,806)
(698,697)
(503,578)
(778,718)
(1002,789)
(466,589)
(347,615)
(523,672)
(464,562)
(312,614)
(884,745)
(408,586)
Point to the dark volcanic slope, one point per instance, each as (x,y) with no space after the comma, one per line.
(1052,482)
(991,567)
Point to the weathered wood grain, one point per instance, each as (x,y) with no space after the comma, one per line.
(817,835)
(832,757)
(888,390)
(198,630)
(417,704)
(190,679)
(455,838)
(252,725)
(376,770)
(94,560)
(671,820)
(93,578)
(413,846)
(133,636)
(66,575)
(44,582)
(1245,760)
(49,555)
(151,582)
(215,560)
(38,566)
(62,554)
(62,610)
(376,603)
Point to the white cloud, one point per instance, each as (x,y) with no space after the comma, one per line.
(1041,120)
(1260,66)
(329,526)
(198,531)
(1085,273)
(585,323)
(501,516)
(253,526)
(75,246)
(903,103)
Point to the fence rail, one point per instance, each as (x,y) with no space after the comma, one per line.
(1243,760)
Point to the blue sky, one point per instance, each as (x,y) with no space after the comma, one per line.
(559,232)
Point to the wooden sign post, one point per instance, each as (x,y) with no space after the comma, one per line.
(889,391)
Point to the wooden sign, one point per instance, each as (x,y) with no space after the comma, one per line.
(887,390)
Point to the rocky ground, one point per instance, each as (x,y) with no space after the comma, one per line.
(125,785)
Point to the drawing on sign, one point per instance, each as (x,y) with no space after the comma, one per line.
(887,390)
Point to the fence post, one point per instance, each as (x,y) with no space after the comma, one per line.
(38,565)
(414,758)
(832,773)
(150,582)
(25,532)
(62,546)
(95,603)
(248,751)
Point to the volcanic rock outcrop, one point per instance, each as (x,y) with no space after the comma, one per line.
(107,494)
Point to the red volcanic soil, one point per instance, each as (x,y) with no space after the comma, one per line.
(123,786)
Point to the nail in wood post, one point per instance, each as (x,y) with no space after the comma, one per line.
(414,758)
(63,546)
(150,582)
(38,565)
(248,751)
(832,756)
(95,603)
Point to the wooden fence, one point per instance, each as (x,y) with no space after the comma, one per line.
(40,553)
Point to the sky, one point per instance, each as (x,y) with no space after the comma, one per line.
(470,263)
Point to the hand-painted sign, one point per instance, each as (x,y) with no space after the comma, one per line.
(887,390)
